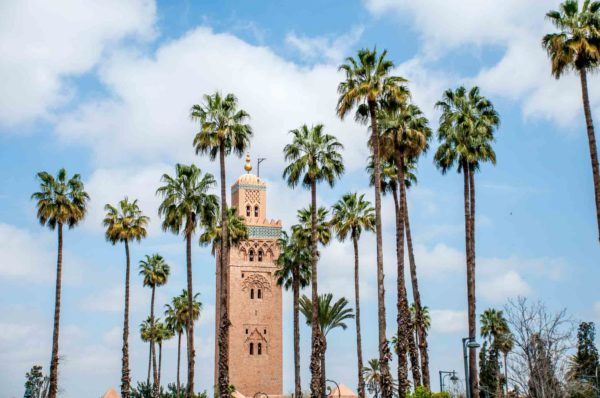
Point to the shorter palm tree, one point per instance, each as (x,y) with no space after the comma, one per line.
(61,201)
(163,333)
(155,272)
(302,230)
(372,375)
(330,316)
(294,273)
(505,344)
(125,223)
(238,231)
(176,318)
(351,214)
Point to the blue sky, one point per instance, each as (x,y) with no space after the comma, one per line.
(104,90)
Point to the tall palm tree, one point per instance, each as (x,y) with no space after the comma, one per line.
(223,129)
(367,80)
(186,203)
(466,133)
(576,46)
(329,316)
(351,215)
(155,272)
(294,273)
(60,201)
(405,135)
(313,157)
(176,318)
(125,223)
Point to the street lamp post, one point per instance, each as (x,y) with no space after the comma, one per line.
(443,374)
(468,342)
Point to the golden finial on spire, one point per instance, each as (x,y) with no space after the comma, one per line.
(248,165)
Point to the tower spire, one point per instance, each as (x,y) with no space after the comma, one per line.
(248,165)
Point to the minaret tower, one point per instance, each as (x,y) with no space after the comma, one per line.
(255,337)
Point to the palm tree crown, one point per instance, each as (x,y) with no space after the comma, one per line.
(313,156)
(301,231)
(155,270)
(238,231)
(368,79)
(576,45)
(186,200)
(403,125)
(293,255)
(466,129)
(61,200)
(351,214)
(221,121)
(125,223)
(330,316)
(493,325)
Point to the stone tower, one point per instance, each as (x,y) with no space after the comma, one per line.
(255,338)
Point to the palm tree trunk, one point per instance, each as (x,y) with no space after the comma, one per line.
(151,343)
(125,378)
(323,377)
(401,324)
(316,335)
(224,327)
(54,359)
(384,351)
(361,379)
(505,375)
(420,333)
(159,363)
(473,267)
(592,142)
(296,293)
(155,387)
(178,363)
(470,280)
(190,323)
(152,349)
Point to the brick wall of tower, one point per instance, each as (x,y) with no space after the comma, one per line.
(255,300)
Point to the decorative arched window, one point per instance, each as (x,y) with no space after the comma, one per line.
(247,210)
(252,348)
(255,211)
(251,294)
(259,349)
(260,255)
(259,293)
(251,255)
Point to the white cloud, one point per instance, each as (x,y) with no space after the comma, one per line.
(448,321)
(110,185)
(332,49)
(438,260)
(110,299)
(32,257)
(43,43)
(500,287)
(147,115)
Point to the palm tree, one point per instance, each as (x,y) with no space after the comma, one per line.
(223,129)
(163,333)
(351,214)
(313,157)
(302,230)
(372,375)
(329,316)
(405,136)
(294,273)
(155,272)
(505,343)
(186,203)
(60,201)
(176,318)
(238,231)
(576,46)
(124,224)
(367,80)
(466,130)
